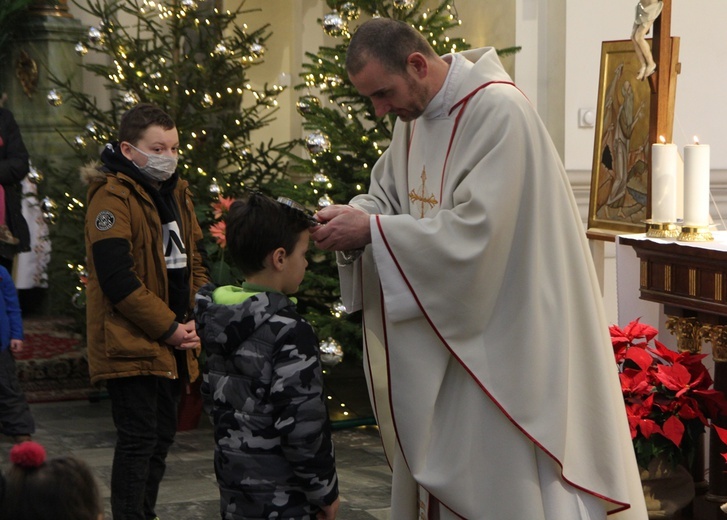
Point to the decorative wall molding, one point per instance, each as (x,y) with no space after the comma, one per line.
(581,184)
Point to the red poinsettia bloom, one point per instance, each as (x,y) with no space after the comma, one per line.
(676,378)
(667,394)
(722,434)
(623,340)
(218,230)
(637,414)
(635,383)
(673,430)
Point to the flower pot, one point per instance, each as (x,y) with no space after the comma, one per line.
(667,489)
(190,407)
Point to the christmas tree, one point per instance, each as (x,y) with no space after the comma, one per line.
(193,60)
(344,139)
(11,12)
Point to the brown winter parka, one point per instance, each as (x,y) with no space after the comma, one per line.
(124,339)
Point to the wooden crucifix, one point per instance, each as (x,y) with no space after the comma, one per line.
(662,83)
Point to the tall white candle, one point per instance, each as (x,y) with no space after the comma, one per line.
(696,185)
(664,182)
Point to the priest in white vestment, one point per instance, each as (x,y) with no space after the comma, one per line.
(487,352)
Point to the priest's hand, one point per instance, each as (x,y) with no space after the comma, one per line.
(346,228)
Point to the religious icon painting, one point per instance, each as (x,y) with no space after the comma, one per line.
(620,177)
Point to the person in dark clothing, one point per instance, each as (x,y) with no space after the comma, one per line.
(263,382)
(16,419)
(14,166)
(143,249)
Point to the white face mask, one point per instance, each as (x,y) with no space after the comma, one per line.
(158,167)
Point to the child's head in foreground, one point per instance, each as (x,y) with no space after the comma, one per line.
(36,488)
(268,240)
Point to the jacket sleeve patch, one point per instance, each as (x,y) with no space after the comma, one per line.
(105,220)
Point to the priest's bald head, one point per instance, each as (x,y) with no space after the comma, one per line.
(393,64)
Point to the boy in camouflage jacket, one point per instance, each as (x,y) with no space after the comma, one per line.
(263,379)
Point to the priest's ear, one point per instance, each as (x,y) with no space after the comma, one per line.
(417,64)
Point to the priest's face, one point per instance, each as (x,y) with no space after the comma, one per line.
(405,95)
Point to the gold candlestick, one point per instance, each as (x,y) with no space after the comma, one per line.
(656,229)
(695,234)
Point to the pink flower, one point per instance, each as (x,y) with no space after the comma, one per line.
(218,230)
(222,206)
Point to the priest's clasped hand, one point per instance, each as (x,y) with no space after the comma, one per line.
(346,228)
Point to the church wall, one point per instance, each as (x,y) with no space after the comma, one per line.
(557,68)
(698,109)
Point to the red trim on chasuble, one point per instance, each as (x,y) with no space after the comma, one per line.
(389,461)
(463,103)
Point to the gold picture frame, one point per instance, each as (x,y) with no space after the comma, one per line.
(619,199)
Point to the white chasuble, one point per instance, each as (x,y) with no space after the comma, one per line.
(486,347)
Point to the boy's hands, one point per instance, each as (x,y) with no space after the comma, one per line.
(185,337)
(16,345)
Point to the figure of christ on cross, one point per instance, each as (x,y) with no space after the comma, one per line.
(421,198)
(646,12)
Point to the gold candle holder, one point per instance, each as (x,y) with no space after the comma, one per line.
(656,229)
(695,234)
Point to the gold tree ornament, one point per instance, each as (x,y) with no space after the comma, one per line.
(306,104)
(48,209)
(95,37)
(317,143)
(325,201)
(334,24)
(403,4)
(331,352)
(54,98)
(34,175)
(81,49)
(350,11)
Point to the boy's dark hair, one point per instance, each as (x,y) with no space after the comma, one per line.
(258,226)
(136,120)
(388,41)
(62,488)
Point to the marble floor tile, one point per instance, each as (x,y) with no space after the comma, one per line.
(188,491)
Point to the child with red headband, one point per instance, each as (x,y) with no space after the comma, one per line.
(36,488)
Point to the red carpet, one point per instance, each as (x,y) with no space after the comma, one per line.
(53,366)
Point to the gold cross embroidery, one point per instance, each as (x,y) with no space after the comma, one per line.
(421,198)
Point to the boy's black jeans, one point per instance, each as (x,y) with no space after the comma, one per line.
(15,416)
(144,410)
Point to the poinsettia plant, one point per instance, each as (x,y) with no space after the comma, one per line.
(668,395)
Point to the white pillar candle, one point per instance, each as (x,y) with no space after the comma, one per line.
(664,182)
(696,185)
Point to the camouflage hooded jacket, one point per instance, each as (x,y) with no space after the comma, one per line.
(263,386)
